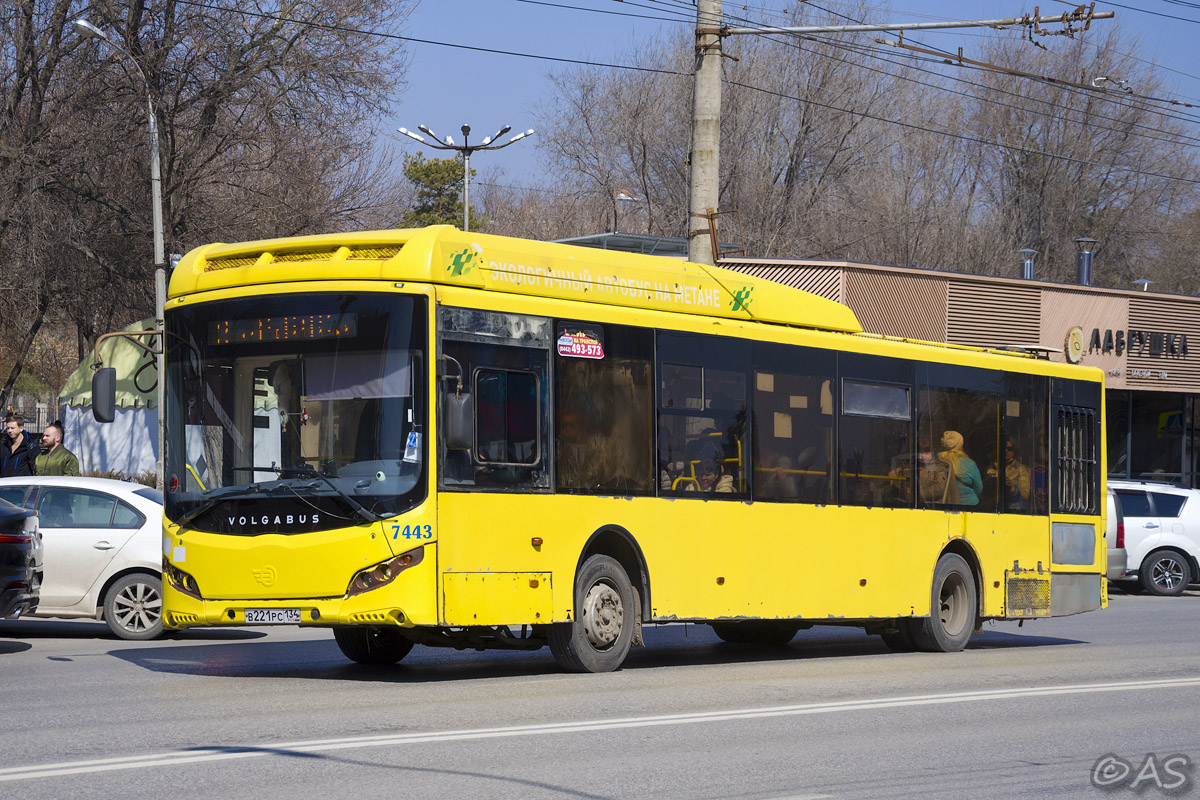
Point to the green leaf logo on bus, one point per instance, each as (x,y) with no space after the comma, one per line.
(742,299)
(463,262)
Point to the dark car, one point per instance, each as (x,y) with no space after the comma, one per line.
(20,560)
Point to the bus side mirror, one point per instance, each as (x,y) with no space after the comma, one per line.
(459,422)
(104,394)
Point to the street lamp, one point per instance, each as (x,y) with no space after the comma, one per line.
(466,150)
(87,30)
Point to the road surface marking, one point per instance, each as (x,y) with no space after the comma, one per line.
(207,754)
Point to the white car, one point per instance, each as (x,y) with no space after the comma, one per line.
(1162,535)
(103,550)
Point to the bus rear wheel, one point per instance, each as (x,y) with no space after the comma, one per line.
(372,644)
(952,608)
(599,637)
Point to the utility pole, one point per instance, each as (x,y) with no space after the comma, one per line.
(705,157)
(706,133)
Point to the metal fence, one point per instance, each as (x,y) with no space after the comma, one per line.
(37,419)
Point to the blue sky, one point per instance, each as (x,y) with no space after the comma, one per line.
(449,87)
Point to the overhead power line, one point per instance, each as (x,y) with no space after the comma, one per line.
(635,68)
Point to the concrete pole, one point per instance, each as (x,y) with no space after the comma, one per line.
(160,287)
(706,132)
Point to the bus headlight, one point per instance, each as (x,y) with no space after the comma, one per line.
(182,582)
(383,574)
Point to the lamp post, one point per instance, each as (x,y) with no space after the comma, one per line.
(87,30)
(466,150)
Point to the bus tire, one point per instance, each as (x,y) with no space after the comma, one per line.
(599,637)
(952,608)
(1165,573)
(372,644)
(902,640)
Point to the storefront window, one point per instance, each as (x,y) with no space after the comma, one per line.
(1117,408)
(1191,452)
(1157,424)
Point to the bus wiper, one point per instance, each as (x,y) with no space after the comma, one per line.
(228,493)
(308,472)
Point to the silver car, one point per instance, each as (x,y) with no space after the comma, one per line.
(103,550)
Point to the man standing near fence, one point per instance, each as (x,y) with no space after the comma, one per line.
(55,459)
(18,450)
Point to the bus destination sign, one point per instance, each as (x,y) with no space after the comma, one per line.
(306,327)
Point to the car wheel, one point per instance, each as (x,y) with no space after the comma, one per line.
(952,608)
(133,607)
(372,645)
(1165,573)
(599,637)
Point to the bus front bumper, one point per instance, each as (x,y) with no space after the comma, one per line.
(408,599)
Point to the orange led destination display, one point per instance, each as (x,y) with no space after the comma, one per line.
(305,327)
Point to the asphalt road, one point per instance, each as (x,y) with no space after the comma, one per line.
(279,713)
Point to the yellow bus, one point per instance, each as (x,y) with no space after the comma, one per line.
(455,439)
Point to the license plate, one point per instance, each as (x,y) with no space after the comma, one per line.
(272,616)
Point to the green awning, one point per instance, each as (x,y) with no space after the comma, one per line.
(137,373)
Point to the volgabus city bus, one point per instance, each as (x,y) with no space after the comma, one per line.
(447,438)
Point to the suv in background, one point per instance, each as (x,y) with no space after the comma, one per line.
(1117,558)
(1162,535)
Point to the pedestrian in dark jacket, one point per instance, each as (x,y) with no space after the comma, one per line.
(18,450)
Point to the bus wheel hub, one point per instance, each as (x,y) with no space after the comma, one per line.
(602,615)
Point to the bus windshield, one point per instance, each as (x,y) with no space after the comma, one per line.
(295,412)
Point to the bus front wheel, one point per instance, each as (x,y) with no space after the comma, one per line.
(599,637)
(952,609)
(372,645)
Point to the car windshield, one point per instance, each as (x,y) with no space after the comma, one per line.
(292,413)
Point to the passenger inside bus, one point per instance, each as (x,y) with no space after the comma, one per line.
(711,478)
(1017,479)
(967,485)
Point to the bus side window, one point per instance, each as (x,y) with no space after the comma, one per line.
(703,449)
(793,423)
(966,416)
(875,447)
(508,447)
(604,410)
(1026,443)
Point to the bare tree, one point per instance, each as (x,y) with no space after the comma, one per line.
(836,147)
(266,117)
